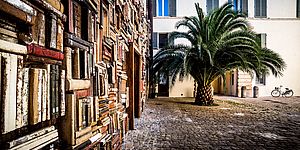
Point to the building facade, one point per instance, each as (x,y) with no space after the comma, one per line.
(73,72)
(278,30)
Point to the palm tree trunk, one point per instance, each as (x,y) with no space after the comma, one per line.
(204,95)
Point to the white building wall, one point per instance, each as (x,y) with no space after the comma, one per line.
(283,36)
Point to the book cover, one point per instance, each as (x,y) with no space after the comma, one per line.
(9,83)
(33,96)
(63,90)
(20,70)
(25,96)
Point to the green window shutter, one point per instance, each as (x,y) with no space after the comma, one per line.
(208,5)
(154,40)
(244,6)
(264,8)
(298,8)
(263,40)
(172,8)
(154,8)
(257,8)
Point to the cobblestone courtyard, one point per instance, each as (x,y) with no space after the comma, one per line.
(233,123)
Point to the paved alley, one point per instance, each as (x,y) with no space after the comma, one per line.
(233,123)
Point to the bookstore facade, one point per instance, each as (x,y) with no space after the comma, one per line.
(73,72)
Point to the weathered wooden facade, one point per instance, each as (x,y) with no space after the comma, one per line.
(73,72)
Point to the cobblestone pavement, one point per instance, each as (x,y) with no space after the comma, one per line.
(233,123)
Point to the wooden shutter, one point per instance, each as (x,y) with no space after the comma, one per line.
(154,8)
(216,4)
(257,8)
(208,5)
(172,8)
(264,8)
(263,40)
(244,6)
(154,40)
(298,8)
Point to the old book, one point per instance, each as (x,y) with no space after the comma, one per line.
(56,4)
(44,94)
(33,98)
(37,50)
(40,94)
(18,13)
(77,19)
(57,89)
(59,36)
(9,85)
(54,89)
(52,30)
(26,138)
(48,76)
(20,71)
(82,93)
(38,29)
(79,112)
(38,141)
(76,64)
(62,91)
(25,96)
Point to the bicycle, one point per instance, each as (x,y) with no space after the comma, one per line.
(277,92)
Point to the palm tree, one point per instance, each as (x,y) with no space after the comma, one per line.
(219,42)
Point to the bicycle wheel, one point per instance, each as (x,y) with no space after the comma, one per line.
(289,93)
(275,93)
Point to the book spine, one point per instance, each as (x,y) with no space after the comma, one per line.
(76,64)
(44,94)
(33,101)
(57,89)
(63,89)
(53,31)
(20,71)
(25,96)
(52,87)
(79,110)
(9,82)
(48,79)
(40,91)
(60,32)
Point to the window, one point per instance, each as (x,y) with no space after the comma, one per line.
(163,40)
(164,8)
(263,39)
(260,7)
(160,40)
(232,78)
(261,79)
(211,4)
(298,8)
(263,42)
(240,5)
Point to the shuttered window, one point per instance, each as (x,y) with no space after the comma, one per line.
(154,40)
(263,39)
(263,42)
(260,7)
(164,8)
(211,4)
(240,5)
(172,8)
